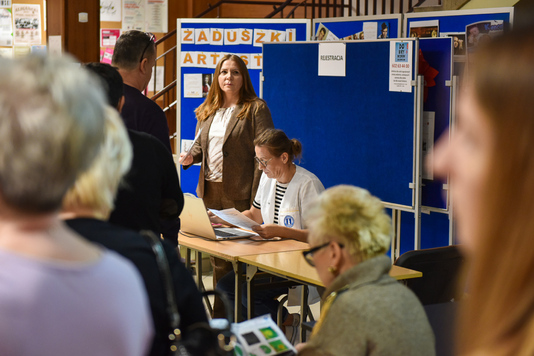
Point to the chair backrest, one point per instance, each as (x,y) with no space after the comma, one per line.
(440,267)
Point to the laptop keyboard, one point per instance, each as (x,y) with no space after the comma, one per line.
(220,233)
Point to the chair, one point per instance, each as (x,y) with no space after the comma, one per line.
(442,320)
(440,267)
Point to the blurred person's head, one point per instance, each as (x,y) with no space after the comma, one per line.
(111,81)
(94,191)
(135,56)
(490,161)
(230,69)
(347,225)
(51,127)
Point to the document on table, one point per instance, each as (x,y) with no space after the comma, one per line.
(234,217)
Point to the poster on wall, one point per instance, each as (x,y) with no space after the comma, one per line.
(145,15)
(6,29)
(400,66)
(110,10)
(156,16)
(27,24)
(133,15)
(5,3)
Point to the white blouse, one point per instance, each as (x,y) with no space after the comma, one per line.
(214,170)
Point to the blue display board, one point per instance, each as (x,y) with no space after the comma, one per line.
(438,53)
(198,52)
(456,21)
(352,128)
(346,26)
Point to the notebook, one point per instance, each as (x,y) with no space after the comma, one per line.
(194,220)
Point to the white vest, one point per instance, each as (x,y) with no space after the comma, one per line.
(303,188)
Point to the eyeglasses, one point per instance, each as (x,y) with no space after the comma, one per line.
(308,254)
(151,39)
(263,162)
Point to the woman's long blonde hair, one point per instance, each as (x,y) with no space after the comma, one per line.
(215,98)
(498,315)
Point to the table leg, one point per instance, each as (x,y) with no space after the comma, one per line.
(251,272)
(198,268)
(188,259)
(239,279)
(304,308)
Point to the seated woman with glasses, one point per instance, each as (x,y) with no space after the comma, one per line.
(284,191)
(365,311)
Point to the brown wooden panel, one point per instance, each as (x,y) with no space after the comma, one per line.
(82,40)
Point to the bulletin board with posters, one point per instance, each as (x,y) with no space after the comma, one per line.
(355,28)
(201,43)
(22,27)
(436,65)
(455,24)
(353,128)
(437,226)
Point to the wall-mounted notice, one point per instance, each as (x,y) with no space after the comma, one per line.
(110,10)
(6,30)
(133,15)
(193,85)
(332,59)
(400,66)
(156,16)
(370,30)
(27,19)
(109,36)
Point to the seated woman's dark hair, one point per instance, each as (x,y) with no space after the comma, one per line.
(277,142)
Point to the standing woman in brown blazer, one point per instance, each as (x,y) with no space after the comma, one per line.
(230,118)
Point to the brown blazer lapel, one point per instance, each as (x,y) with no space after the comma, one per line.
(232,123)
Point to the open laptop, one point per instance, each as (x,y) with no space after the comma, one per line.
(194,220)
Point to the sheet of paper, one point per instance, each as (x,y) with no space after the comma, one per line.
(110,10)
(158,72)
(156,15)
(234,217)
(192,144)
(54,45)
(370,30)
(429,118)
(193,85)
(133,15)
(400,66)
(6,30)
(332,61)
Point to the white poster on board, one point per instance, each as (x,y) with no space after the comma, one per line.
(193,85)
(110,10)
(332,59)
(370,30)
(400,66)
